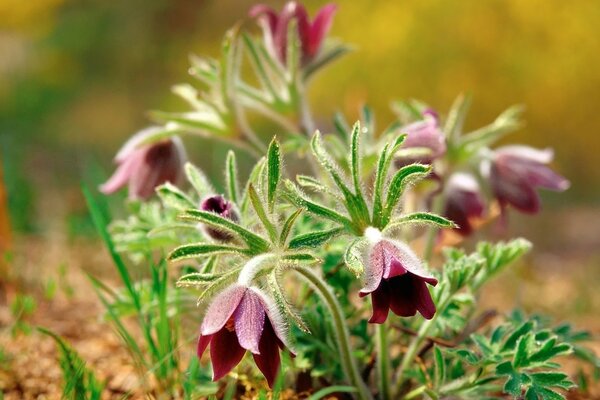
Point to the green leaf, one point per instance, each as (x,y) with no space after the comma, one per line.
(423,218)
(439,367)
(288,225)
(273,172)
(283,304)
(300,257)
(512,340)
(353,256)
(172,197)
(314,239)
(324,58)
(355,158)
(456,116)
(521,357)
(322,393)
(196,279)
(231,177)
(198,180)
(195,250)
(557,379)
(513,384)
(255,179)
(256,243)
(398,184)
(262,215)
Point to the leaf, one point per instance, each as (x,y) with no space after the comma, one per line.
(355,158)
(288,225)
(262,215)
(195,250)
(324,58)
(300,257)
(198,180)
(398,183)
(172,197)
(423,218)
(322,393)
(283,304)
(439,367)
(273,172)
(256,243)
(512,340)
(196,279)
(314,239)
(231,177)
(353,256)
(456,116)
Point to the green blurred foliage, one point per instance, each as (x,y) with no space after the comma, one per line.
(77,77)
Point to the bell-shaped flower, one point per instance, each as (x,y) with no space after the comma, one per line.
(243,318)
(143,167)
(463,201)
(515,172)
(222,207)
(275,28)
(395,279)
(425,135)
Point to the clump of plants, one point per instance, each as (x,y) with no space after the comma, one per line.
(319,266)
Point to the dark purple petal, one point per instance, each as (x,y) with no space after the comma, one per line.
(275,319)
(424,301)
(222,207)
(403,295)
(463,201)
(268,361)
(225,352)
(381,303)
(511,189)
(249,320)
(203,342)
(221,309)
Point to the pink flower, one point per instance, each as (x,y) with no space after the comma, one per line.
(463,201)
(275,28)
(145,166)
(516,171)
(396,281)
(242,318)
(425,134)
(222,207)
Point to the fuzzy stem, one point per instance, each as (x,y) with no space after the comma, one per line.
(383,362)
(341,331)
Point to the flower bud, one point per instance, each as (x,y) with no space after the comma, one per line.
(515,172)
(275,29)
(425,134)
(143,167)
(219,205)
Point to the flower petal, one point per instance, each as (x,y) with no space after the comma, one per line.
(268,361)
(526,153)
(121,176)
(221,309)
(249,320)
(381,303)
(424,301)
(203,342)
(403,295)
(225,352)
(319,29)
(275,319)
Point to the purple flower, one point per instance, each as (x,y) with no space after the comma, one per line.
(242,318)
(145,166)
(275,28)
(222,207)
(516,171)
(396,281)
(425,134)
(463,201)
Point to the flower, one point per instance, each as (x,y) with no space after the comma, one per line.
(463,201)
(515,172)
(425,134)
(395,280)
(275,28)
(145,166)
(242,318)
(222,207)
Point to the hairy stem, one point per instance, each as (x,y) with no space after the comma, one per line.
(341,331)
(383,362)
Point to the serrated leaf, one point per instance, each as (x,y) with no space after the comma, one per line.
(273,172)
(314,239)
(256,243)
(195,250)
(521,357)
(513,385)
(557,379)
(172,197)
(522,330)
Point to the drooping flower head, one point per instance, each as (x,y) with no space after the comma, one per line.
(515,172)
(219,205)
(425,134)
(145,166)
(275,28)
(463,201)
(243,318)
(395,279)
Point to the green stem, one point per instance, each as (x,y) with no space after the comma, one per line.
(411,353)
(383,362)
(341,331)
(437,208)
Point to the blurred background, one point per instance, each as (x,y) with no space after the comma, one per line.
(77,78)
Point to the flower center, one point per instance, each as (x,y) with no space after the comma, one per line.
(373,235)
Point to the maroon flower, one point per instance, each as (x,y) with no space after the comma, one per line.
(396,281)
(516,171)
(425,134)
(145,166)
(275,28)
(463,201)
(220,206)
(242,318)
